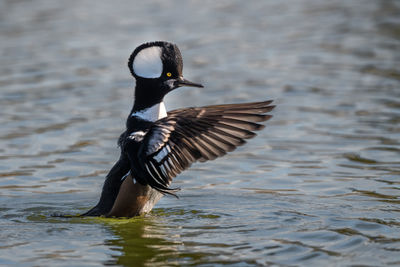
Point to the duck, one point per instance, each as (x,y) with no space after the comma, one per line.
(157,145)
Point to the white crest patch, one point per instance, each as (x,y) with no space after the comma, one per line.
(147,63)
(152,113)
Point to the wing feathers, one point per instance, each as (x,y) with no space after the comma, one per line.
(195,134)
(247,117)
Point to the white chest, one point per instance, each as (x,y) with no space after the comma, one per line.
(153,113)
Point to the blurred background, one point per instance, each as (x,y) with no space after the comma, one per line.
(319,186)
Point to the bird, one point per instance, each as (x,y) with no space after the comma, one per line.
(157,144)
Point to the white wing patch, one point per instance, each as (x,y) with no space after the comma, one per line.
(162,153)
(163,170)
(147,63)
(157,177)
(126,175)
(137,136)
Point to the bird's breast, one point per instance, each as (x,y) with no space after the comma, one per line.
(153,113)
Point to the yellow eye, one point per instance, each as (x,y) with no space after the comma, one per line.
(169,74)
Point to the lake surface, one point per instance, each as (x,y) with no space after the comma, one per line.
(320,186)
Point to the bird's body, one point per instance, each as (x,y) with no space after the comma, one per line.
(158,145)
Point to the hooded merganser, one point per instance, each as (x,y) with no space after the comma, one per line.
(157,145)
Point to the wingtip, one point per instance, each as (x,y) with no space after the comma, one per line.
(169,191)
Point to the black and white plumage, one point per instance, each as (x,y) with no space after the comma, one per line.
(158,145)
(171,144)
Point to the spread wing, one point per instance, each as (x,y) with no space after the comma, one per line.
(188,135)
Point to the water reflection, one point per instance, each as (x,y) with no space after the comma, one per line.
(147,241)
(140,242)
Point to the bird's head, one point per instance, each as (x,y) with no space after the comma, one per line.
(157,68)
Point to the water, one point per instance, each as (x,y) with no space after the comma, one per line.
(319,186)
